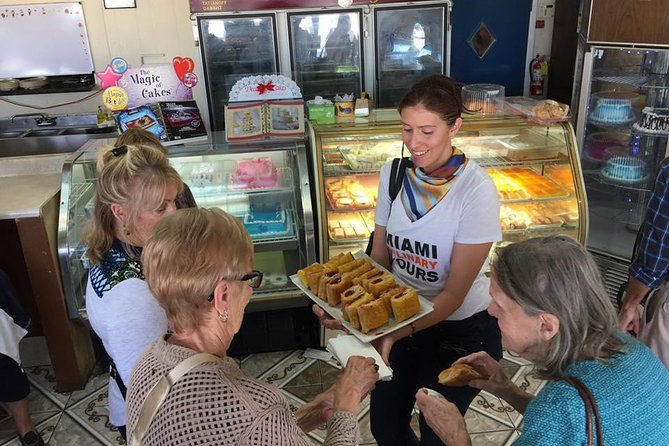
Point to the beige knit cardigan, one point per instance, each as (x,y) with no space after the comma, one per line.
(216,404)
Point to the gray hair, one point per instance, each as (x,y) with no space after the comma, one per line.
(557,275)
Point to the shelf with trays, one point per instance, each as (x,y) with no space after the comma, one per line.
(283,188)
(500,143)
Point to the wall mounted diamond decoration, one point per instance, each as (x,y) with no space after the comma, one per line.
(481,40)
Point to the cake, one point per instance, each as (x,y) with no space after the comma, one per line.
(612,110)
(624,168)
(266,221)
(653,120)
(252,174)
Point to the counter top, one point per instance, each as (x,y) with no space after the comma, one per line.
(22,190)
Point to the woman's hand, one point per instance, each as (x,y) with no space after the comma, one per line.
(326,320)
(384,345)
(444,419)
(498,383)
(482,362)
(359,378)
(317,412)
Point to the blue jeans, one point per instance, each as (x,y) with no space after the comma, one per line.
(416,362)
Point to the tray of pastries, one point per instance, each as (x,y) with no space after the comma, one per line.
(351,193)
(523,183)
(364,296)
(348,227)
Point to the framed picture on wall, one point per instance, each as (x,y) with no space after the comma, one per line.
(116,4)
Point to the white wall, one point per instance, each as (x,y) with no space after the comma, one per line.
(153,33)
(543,37)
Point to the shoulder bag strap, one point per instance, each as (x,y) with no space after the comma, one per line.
(591,410)
(154,399)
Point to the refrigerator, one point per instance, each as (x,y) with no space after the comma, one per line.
(615,82)
(381,48)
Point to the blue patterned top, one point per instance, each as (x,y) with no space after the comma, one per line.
(651,264)
(631,392)
(116,267)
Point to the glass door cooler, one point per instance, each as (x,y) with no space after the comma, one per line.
(535,167)
(622,92)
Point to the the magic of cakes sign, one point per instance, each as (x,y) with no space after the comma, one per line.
(152,84)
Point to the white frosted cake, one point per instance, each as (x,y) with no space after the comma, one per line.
(624,168)
(653,120)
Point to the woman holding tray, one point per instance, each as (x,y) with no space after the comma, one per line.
(435,236)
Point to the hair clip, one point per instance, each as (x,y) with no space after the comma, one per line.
(120,150)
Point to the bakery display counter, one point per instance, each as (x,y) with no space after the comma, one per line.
(265,185)
(535,167)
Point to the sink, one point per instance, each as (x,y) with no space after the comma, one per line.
(12,134)
(41,142)
(43,132)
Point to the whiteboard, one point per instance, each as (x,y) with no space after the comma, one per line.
(44,40)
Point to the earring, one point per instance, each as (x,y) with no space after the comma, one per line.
(223,317)
(125,230)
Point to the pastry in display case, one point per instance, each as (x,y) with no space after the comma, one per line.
(534,166)
(262,184)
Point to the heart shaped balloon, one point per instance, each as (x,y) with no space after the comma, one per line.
(183,65)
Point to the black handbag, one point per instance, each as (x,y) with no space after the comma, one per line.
(397,172)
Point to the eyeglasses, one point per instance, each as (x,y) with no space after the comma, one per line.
(252,279)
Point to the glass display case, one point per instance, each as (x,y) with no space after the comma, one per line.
(535,167)
(263,184)
(623,93)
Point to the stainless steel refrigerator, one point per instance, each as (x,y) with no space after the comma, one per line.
(380,48)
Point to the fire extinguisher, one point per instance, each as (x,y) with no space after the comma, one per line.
(536,76)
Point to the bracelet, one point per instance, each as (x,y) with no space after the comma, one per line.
(413,328)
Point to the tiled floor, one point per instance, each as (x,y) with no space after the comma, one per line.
(80,418)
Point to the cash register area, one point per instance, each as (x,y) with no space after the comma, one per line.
(81,417)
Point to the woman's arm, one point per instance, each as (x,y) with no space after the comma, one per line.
(380,252)
(466,262)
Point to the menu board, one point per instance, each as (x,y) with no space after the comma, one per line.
(44,40)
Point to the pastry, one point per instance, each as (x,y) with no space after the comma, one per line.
(352,309)
(387,295)
(303,273)
(349,266)
(349,296)
(368,275)
(405,305)
(372,315)
(357,272)
(338,260)
(459,375)
(380,284)
(326,277)
(344,202)
(335,287)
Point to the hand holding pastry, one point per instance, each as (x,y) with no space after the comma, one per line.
(444,418)
(492,378)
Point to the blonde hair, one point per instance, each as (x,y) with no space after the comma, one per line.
(133,176)
(187,254)
(139,137)
(557,275)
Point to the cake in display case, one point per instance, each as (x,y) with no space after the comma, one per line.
(265,185)
(535,167)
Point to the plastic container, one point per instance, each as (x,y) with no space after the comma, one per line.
(483,99)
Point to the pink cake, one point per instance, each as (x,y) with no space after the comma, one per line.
(252,174)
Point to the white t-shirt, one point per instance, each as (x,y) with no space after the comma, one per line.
(421,250)
(127,318)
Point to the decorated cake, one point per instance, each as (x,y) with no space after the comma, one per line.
(612,110)
(253,174)
(624,168)
(653,120)
(266,221)
(601,146)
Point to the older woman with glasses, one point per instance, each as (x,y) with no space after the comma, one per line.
(198,264)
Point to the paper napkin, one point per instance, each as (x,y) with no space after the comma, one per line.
(345,346)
